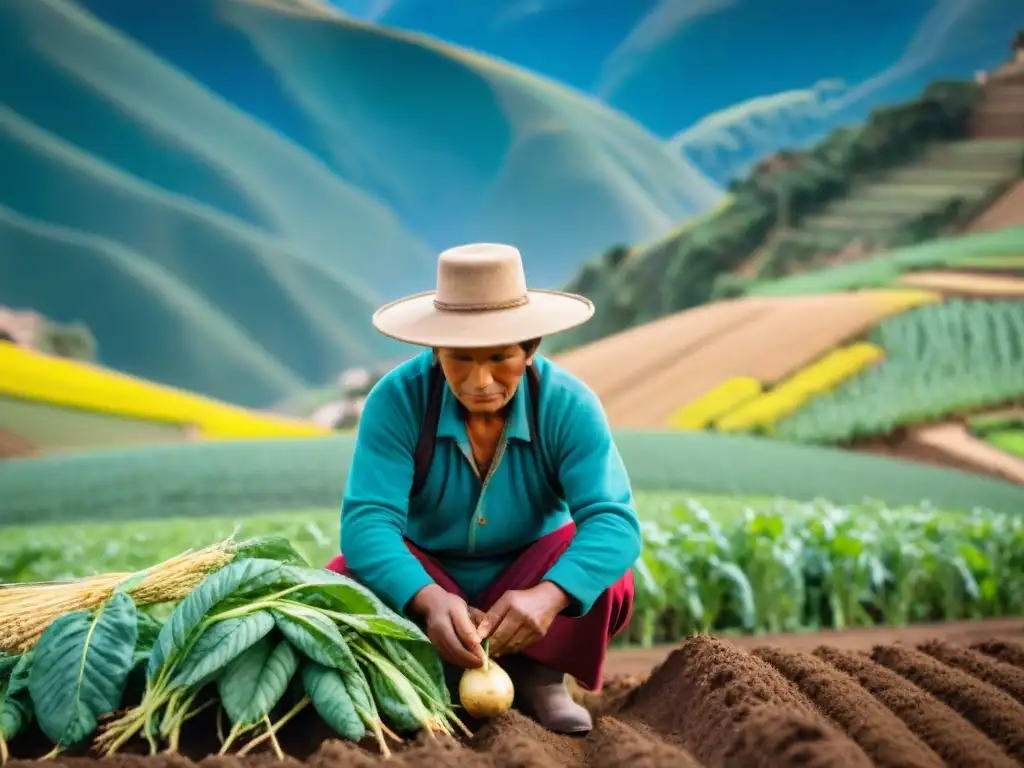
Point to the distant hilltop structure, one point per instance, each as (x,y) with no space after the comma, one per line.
(1000,112)
(23,327)
(31,330)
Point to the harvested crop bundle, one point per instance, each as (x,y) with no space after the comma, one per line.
(260,638)
(26,610)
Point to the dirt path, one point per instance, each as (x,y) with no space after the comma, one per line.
(976,285)
(1007,211)
(955,441)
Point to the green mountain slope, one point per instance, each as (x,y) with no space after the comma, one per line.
(910,173)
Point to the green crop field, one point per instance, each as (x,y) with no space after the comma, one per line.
(234,479)
(53,428)
(885,268)
(70,550)
(729,563)
(940,359)
(1009,440)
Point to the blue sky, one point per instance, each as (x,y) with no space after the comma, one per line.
(670,63)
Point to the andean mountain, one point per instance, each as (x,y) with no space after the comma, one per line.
(222,189)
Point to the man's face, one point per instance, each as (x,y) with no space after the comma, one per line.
(484,380)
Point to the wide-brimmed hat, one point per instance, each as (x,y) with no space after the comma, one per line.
(481,301)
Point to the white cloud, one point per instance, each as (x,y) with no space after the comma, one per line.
(660,24)
(724,144)
(940,27)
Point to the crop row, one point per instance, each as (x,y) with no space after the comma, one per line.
(833,369)
(41,378)
(940,359)
(818,565)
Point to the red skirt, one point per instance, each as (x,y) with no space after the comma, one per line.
(574,646)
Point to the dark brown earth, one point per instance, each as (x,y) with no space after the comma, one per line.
(885,698)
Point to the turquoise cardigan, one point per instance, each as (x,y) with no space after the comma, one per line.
(475,531)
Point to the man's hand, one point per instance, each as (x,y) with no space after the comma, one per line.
(521,617)
(449,626)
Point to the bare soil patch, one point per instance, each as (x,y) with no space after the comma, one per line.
(1006,211)
(949,444)
(644,374)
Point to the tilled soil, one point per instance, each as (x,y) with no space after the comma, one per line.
(712,703)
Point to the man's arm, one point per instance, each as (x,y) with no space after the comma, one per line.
(596,486)
(376,503)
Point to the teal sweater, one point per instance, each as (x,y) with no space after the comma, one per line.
(474,528)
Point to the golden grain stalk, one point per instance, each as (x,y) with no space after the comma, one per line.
(26,610)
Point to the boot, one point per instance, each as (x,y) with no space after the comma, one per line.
(541,693)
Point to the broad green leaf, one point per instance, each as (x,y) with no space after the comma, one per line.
(345,595)
(256,680)
(220,644)
(81,664)
(21,673)
(190,612)
(7,664)
(317,638)
(395,697)
(383,626)
(331,700)
(420,663)
(270,547)
(15,714)
(149,630)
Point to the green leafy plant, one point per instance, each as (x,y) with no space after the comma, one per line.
(819,565)
(261,638)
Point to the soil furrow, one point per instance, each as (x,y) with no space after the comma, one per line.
(999,674)
(615,744)
(1008,651)
(952,738)
(882,735)
(706,690)
(771,737)
(991,711)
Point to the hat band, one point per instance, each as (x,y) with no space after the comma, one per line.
(519,301)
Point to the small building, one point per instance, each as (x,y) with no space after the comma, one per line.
(24,327)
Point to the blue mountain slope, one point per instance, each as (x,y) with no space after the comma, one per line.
(277,170)
(432,131)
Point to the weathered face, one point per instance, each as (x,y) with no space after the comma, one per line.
(484,380)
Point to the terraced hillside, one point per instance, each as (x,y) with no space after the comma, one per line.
(954,180)
(948,162)
(894,355)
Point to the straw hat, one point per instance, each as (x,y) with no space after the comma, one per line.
(481,301)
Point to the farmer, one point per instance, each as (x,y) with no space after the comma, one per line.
(486,498)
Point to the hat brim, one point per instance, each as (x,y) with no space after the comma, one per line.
(416,320)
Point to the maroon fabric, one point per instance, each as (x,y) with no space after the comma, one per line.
(576,646)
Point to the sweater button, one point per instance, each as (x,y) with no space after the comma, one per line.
(482,520)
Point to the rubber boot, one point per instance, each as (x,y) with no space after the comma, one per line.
(541,693)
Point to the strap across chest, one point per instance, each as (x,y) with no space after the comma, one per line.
(424,455)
